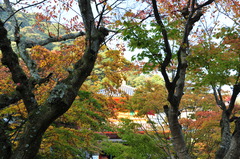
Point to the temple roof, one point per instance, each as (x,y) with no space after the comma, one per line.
(122,89)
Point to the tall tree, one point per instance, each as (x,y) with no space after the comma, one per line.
(166,44)
(216,64)
(61,97)
(221,68)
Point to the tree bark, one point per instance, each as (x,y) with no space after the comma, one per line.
(37,123)
(225,136)
(5,143)
(234,149)
(173,113)
(177,135)
(229,145)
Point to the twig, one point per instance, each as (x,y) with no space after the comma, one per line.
(31,5)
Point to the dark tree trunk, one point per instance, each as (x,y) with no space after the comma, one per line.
(225,136)
(234,150)
(229,146)
(5,144)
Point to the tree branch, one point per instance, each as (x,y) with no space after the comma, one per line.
(29,44)
(236,91)
(13,13)
(204,4)
(31,64)
(218,101)
(192,17)
(87,15)
(10,59)
(20,44)
(14,97)
(8,99)
(167,45)
(101,15)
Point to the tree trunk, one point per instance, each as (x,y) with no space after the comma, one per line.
(225,136)
(177,135)
(5,144)
(229,146)
(38,122)
(234,150)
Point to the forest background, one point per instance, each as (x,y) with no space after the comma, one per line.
(45,61)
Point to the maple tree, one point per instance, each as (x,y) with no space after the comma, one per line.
(202,122)
(161,29)
(175,23)
(202,117)
(164,40)
(37,107)
(197,98)
(74,133)
(146,103)
(216,64)
(78,125)
(149,100)
(148,97)
(89,112)
(135,144)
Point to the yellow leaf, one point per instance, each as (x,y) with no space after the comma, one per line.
(109,7)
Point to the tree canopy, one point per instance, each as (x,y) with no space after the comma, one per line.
(57,55)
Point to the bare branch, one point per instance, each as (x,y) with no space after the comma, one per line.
(30,44)
(220,94)
(226,13)
(72,9)
(31,5)
(204,4)
(101,15)
(14,21)
(17,2)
